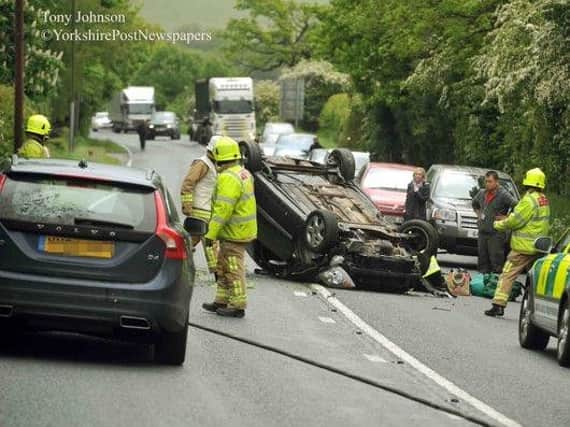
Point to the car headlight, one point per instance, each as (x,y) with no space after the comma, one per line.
(444,214)
(168,126)
(151,126)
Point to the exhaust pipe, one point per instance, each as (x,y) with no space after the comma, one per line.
(6,310)
(133,322)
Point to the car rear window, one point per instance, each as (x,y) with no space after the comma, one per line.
(76,201)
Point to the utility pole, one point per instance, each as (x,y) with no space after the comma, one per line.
(19,75)
(72,109)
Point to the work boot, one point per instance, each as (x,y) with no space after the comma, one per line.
(495,311)
(230,312)
(213,306)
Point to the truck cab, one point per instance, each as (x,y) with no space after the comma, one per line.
(226,107)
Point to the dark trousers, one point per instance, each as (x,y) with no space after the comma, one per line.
(491,252)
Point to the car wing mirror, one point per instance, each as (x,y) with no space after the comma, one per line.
(543,245)
(195,227)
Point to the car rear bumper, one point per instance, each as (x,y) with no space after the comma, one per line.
(137,312)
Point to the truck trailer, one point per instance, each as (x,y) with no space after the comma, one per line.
(130,107)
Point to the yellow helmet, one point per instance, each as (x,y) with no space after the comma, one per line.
(226,150)
(39,125)
(535,178)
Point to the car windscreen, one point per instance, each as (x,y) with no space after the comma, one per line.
(233,107)
(163,116)
(458,185)
(73,201)
(299,142)
(388,179)
(102,115)
(278,128)
(141,108)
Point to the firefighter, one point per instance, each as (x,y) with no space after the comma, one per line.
(529,221)
(37,132)
(196,195)
(234,226)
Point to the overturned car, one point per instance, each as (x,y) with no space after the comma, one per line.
(312,218)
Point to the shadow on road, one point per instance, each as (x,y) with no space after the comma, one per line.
(65,347)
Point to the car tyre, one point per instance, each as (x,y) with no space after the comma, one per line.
(428,240)
(563,347)
(321,230)
(344,160)
(530,336)
(171,347)
(251,155)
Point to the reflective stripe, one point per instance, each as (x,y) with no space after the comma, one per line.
(241,220)
(185,198)
(541,284)
(522,235)
(226,199)
(552,274)
(218,219)
(561,277)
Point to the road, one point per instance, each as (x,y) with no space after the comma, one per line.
(62,380)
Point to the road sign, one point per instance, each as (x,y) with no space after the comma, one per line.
(292,99)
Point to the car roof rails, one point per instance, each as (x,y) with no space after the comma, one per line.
(83,164)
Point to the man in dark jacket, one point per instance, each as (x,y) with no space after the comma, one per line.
(417,196)
(492,204)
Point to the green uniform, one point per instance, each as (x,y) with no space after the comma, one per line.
(234,224)
(32,149)
(529,221)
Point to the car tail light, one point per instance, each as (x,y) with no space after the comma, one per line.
(2,181)
(175,244)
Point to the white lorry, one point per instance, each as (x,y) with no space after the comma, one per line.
(130,107)
(224,106)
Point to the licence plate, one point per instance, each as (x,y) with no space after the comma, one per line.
(76,247)
(473,233)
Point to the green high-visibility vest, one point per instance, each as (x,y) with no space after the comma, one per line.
(234,211)
(529,221)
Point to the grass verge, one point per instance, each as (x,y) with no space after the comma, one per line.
(95,150)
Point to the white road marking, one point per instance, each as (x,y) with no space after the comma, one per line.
(375,358)
(326,319)
(130,154)
(300,294)
(412,361)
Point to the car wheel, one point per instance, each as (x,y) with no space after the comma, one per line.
(563,348)
(321,230)
(344,160)
(529,335)
(251,155)
(171,347)
(426,241)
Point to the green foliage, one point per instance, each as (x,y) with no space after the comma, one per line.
(274,33)
(321,82)
(43,65)
(7,119)
(267,95)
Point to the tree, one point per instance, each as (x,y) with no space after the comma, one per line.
(274,33)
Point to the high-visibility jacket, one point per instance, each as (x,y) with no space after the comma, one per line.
(198,188)
(234,212)
(529,221)
(32,149)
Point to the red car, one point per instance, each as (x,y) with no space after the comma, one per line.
(386,185)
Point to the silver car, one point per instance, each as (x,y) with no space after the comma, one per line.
(449,207)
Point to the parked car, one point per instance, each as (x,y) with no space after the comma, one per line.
(163,123)
(94,249)
(296,145)
(101,120)
(271,132)
(449,207)
(361,158)
(312,215)
(545,308)
(386,184)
